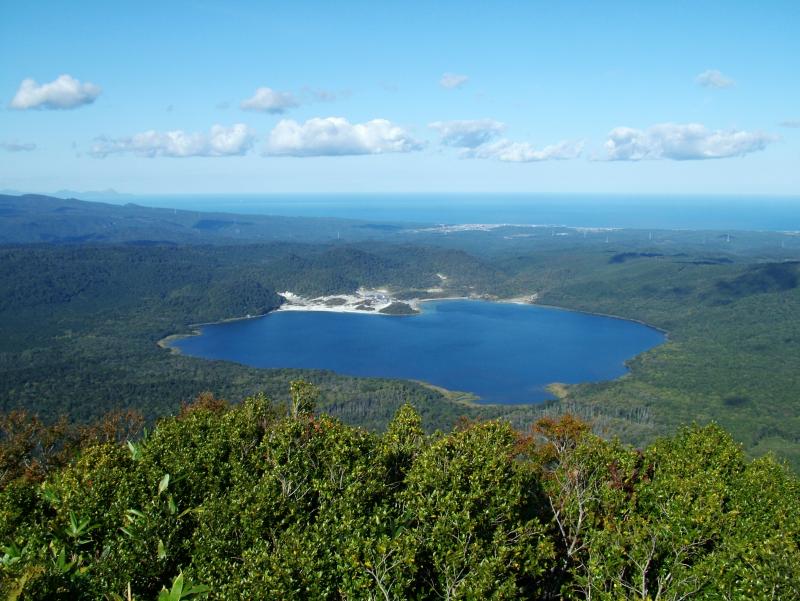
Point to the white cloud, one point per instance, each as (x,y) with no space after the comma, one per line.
(477,139)
(267,100)
(682,142)
(790,123)
(523,152)
(66,92)
(468,133)
(333,136)
(15,146)
(712,78)
(220,141)
(453,80)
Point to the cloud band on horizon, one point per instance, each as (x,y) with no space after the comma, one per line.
(681,142)
(336,136)
(478,139)
(221,141)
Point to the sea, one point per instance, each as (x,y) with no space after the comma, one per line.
(767,213)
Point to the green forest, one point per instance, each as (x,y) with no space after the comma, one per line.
(433,300)
(277,501)
(81,325)
(123,475)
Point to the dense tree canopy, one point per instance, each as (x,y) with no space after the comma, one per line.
(256,501)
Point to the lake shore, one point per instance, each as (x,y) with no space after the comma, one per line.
(356,303)
(366,301)
(166,343)
(539,348)
(375,302)
(363,302)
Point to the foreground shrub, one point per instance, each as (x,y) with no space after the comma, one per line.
(255,502)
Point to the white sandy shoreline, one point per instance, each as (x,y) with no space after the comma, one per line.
(364,301)
(373,302)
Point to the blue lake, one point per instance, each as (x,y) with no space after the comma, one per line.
(504,353)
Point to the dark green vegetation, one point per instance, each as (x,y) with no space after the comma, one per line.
(33,218)
(398,308)
(81,325)
(250,502)
(732,355)
(80,322)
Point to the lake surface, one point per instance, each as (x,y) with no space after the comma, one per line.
(504,353)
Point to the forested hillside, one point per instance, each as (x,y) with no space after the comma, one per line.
(81,315)
(733,348)
(36,219)
(80,325)
(252,502)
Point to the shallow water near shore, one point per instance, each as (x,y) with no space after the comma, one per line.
(502,352)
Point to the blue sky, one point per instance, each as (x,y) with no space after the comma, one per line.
(238,97)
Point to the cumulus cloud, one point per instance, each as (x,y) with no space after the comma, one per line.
(712,78)
(524,152)
(453,80)
(220,141)
(791,123)
(15,146)
(267,100)
(682,142)
(332,136)
(477,139)
(467,133)
(66,92)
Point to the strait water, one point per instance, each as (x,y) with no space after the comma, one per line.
(504,353)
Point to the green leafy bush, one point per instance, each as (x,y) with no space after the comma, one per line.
(255,502)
